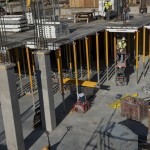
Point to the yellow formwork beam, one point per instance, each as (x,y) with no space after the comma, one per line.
(87,57)
(80,82)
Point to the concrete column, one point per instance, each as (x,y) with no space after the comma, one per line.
(10,108)
(45,88)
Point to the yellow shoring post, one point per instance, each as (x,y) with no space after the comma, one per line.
(97,55)
(59,64)
(80,53)
(24,66)
(137,64)
(106,46)
(29,69)
(144,41)
(87,57)
(19,70)
(70,60)
(75,66)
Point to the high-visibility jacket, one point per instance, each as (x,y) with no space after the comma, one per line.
(107,5)
(122,44)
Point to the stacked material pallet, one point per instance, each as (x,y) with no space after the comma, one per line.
(53,29)
(14,23)
(134,108)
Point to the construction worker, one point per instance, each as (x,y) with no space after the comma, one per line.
(121,47)
(126,10)
(107,9)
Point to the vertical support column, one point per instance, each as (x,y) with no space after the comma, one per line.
(97,58)
(59,64)
(45,88)
(89,43)
(19,70)
(24,66)
(111,35)
(115,43)
(80,58)
(75,66)
(30,76)
(128,42)
(144,41)
(67,58)
(10,108)
(87,57)
(70,61)
(137,55)
(106,46)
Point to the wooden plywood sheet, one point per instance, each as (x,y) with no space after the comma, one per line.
(91,3)
(76,3)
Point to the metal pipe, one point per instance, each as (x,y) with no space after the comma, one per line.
(137,64)
(59,64)
(97,55)
(19,69)
(106,46)
(144,36)
(70,60)
(30,75)
(75,66)
(80,58)
(87,57)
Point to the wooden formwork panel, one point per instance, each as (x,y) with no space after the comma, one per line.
(77,3)
(84,3)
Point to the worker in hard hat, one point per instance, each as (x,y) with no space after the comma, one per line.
(121,47)
(107,9)
(46,148)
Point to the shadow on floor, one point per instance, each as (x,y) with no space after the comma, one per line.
(33,137)
(137,128)
(89,144)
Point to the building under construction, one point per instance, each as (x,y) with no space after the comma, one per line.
(66,84)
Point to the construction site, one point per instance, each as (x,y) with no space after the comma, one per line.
(75,75)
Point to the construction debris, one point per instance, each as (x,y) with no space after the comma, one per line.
(134,108)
